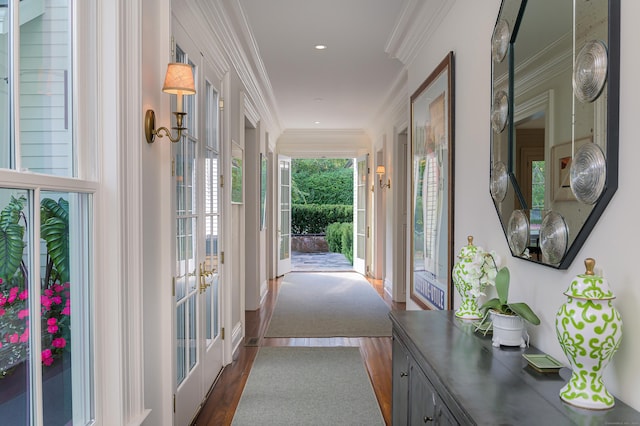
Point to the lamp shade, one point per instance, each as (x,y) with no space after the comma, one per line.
(380,170)
(179,79)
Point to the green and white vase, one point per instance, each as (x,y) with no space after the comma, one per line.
(469,308)
(589,329)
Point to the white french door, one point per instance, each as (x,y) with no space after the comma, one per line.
(360,194)
(198,344)
(284,215)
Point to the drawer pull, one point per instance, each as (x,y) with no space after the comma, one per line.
(427,419)
(403,374)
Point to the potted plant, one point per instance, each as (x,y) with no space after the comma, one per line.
(507,317)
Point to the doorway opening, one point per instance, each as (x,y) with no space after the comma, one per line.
(322,195)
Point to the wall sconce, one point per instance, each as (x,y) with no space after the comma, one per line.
(380,171)
(178,81)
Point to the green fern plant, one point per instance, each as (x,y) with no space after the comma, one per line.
(501,304)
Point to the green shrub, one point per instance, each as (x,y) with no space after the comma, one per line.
(347,241)
(339,237)
(314,218)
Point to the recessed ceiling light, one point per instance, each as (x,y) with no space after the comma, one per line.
(320,46)
(316,122)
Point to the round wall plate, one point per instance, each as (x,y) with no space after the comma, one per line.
(499,181)
(554,238)
(500,111)
(588,173)
(590,71)
(518,232)
(500,40)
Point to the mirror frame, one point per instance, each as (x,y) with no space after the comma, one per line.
(612,131)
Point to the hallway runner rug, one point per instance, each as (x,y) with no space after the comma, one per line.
(308,386)
(338,304)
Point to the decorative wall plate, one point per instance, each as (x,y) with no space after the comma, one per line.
(500,40)
(500,111)
(590,71)
(588,173)
(554,237)
(499,181)
(518,232)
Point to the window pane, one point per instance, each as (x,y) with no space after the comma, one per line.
(14,308)
(46,138)
(5,146)
(65,299)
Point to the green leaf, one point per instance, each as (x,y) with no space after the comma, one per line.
(11,248)
(502,284)
(523,310)
(491,304)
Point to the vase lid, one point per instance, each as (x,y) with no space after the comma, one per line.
(590,286)
(469,250)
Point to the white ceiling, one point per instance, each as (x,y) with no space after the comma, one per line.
(341,87)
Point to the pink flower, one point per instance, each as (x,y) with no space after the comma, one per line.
(48,292)
(14,291)
(60,342)
(52,321)
(14,338)
(52,327)
(24,294)
(23,313)
(57,300)
(46,302)
(58,288)
(47,357)
(2,311)
(25,336)
(66,311)
(3,299)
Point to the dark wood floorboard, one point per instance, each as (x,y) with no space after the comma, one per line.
(223,399)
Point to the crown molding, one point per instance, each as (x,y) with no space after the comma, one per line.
(227,21)
(417,22)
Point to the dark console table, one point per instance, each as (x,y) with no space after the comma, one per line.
(445,374)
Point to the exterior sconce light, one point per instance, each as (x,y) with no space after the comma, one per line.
(178,81)
(380,171)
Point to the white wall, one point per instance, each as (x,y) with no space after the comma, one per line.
(467,31)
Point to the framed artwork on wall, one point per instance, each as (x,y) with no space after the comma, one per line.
(432,155)
(237,158)
(263,191)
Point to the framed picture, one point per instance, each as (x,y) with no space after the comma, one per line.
(561,155)
(432,153)
(237,159)
(263,191)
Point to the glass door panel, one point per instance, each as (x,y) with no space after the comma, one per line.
(284,207)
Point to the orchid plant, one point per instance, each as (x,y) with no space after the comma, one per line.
(482,271)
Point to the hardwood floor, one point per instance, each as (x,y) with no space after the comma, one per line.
(223,399)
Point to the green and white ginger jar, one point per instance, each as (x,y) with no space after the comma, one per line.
(461,274)
(589,329)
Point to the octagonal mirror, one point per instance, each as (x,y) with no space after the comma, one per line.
(554,123)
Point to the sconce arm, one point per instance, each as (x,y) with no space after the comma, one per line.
(150,127)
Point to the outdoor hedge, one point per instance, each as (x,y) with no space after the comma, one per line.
(339,237)
(314,218)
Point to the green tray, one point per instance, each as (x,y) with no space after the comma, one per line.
(543,363)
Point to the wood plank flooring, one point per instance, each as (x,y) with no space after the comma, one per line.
(223,398)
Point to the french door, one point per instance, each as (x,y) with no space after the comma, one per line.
(360,194)
(284,215)
(198,345)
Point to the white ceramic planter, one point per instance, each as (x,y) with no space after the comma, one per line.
(508,330)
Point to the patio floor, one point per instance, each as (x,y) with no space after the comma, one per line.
(319,262)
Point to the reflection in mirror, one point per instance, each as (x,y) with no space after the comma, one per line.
(561,88)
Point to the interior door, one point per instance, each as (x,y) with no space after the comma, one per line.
(187,308)
(360,199)
(210,270)
(198,346)
(284,213)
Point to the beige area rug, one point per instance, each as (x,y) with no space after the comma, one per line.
(332,304)
(308,386)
